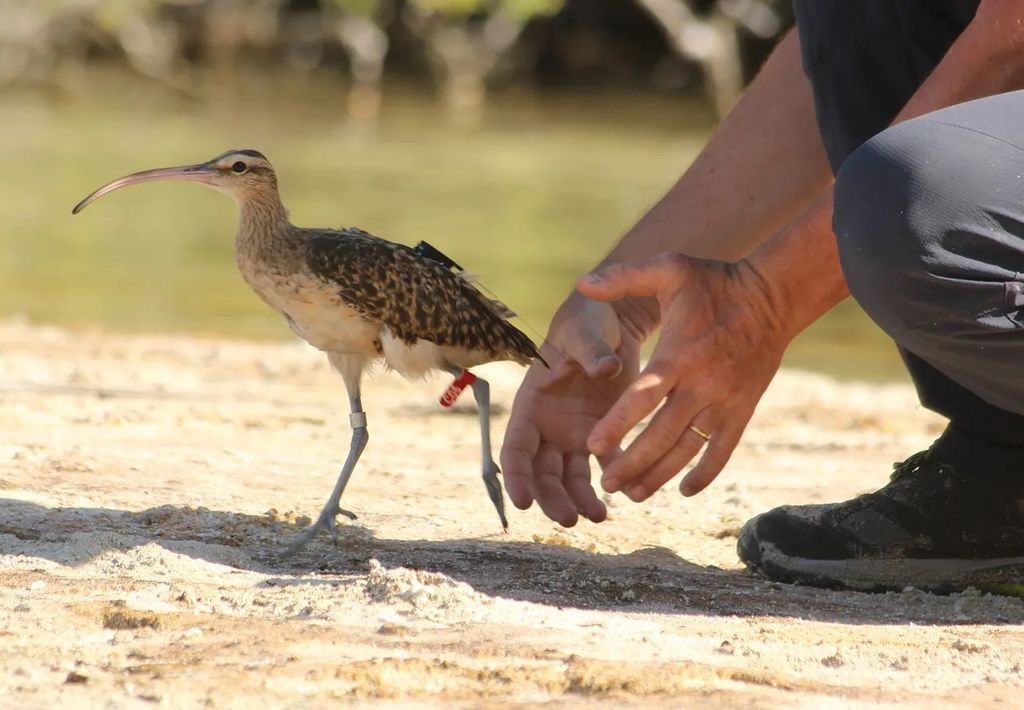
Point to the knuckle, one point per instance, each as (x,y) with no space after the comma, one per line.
(591,348)
(626,416)
(661,436)
(672,261)
(647,391)
(619,418)
(510,468)
(662,367)
(648,399)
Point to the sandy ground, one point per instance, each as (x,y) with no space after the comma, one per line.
(148,485)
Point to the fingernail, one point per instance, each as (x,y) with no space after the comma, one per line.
(635,493)
(598,446)
(687,490)
(611,485)
(592,278)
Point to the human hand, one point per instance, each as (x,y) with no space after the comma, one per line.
(594,352)
(721,343)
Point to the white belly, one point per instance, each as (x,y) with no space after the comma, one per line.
(412,361)
(419,359)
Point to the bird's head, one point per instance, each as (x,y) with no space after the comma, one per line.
(243,174)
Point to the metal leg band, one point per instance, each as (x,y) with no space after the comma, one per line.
(357,420)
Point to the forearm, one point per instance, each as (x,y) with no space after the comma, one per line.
(734,198)
(800,266)
(762,165)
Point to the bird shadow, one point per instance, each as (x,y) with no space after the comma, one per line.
(649,580)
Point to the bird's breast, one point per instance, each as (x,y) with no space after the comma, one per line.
(314,311)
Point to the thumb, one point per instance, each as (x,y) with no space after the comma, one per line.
(645,277)
(586,339)
(582,348)
(596,357)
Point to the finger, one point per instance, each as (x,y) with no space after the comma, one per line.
(639,400)
(548,490)
(597,358)
(608,459)
(567,369)
(517,471)
(577,485)
(584,346)
(517,455)
(717,454)
(645,277)
(657,440)
(665,469)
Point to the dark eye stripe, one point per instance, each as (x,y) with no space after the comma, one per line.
(239,167)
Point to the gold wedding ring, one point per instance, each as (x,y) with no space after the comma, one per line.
(700,432)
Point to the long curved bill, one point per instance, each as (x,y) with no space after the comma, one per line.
(195,173)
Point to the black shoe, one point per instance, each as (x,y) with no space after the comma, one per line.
(950,517)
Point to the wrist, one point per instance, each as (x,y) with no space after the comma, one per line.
(797,274)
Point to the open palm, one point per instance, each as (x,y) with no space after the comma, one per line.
(545,458)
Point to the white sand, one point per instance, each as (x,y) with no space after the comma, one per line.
(147,486)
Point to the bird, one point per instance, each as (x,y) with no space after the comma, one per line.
(360,299)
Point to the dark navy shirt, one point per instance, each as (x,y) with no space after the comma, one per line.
(866,58)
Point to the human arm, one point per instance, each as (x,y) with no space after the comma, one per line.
(762,165)
(987,58)
(725,328)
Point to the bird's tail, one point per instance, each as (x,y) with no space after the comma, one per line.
(522,349)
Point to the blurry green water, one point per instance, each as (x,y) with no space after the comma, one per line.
(527,199)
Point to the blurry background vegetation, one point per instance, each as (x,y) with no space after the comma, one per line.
(522,137)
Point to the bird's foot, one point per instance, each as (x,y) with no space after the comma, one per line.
(493,485)
(327,521)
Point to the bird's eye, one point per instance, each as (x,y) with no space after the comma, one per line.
(239,167)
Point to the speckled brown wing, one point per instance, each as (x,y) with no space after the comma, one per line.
(415,297)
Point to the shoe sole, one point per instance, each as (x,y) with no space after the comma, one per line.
(940,575)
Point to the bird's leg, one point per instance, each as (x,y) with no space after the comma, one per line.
(357,419)
(326,520)
(482,394)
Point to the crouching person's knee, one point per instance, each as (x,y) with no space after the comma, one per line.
(930,232)
(881,246)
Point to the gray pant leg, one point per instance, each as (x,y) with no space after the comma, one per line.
(929,217)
